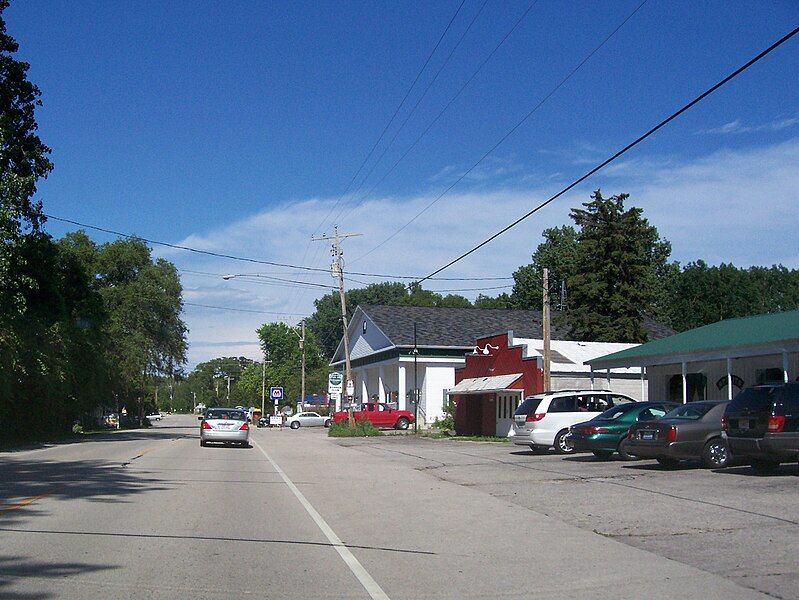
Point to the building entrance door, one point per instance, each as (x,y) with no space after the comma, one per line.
(506,406)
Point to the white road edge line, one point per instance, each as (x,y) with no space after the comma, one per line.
(369,584)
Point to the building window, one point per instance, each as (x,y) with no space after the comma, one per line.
(766,376)
(696,384)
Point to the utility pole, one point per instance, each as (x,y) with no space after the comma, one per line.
(415,384)
(337,270)
(545,327)
(302,347)
(263,382)
(228,387)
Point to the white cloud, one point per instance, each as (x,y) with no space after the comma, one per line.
(737,127)
(733,206)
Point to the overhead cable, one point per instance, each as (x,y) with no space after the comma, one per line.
(625,149)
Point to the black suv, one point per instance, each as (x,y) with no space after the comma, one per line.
(762,425)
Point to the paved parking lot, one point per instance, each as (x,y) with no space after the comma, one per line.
(732,523)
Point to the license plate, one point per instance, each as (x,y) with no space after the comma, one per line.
(744,424)
(648,435)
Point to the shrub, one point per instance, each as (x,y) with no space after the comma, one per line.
(448,422)
(360,429)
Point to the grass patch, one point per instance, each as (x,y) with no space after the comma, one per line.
(360,429)
(467,438)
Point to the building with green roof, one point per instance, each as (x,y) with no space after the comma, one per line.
(715,361)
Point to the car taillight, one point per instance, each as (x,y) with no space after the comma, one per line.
(205,425)
(535,417)
(596,430)
(244,427)
(775,423)
(671,436)
(725,426)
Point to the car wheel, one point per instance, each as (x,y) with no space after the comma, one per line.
(402,423)
(295,425)
(716,454)
(327,423)
(669,463)
(625,455)
(760,465)
(562,446)
(602,454)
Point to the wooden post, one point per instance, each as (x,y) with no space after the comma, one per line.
(545,327)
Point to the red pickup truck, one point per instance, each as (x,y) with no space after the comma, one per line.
(381,415)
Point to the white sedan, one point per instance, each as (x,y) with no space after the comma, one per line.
(154,417)
(308,419)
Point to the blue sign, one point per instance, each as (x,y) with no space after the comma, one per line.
(276,393)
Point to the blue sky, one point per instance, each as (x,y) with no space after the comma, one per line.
(236,126)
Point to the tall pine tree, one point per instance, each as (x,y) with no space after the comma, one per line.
(620,260)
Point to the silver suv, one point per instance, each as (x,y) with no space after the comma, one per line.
(542,421)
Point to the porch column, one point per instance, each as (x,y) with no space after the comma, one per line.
(729,379)
(684,383)
(402,401)
(608,375)
(365,387)
(381,390)
(643,384)
(592,377)
(785,367)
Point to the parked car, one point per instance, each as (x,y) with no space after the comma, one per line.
(607,432)
(762,425)
(227,425)
(263,422)
(542,421)
(380,414)
(308,419)
(689,432)
(154,417)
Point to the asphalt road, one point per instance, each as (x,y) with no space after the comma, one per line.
(150,514)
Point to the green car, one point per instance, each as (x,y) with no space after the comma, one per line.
(606,433)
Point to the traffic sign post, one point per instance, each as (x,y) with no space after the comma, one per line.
(276,394)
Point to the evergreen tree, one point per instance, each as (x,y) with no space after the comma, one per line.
(618,261)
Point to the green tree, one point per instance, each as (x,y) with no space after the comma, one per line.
(558,253)
(619,258)
(501,301)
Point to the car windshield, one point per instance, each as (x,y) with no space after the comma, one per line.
(616,412)
(528,406)
(689,411)
(225,415)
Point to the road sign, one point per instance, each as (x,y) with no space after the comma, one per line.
(334,381)
(276,394)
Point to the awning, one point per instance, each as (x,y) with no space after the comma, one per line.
(484,385)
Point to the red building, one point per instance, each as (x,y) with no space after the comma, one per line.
(489,388)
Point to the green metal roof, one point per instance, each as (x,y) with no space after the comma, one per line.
(760,330)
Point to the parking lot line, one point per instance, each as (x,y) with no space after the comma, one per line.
(367,581)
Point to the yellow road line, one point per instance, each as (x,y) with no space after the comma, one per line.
(22,503)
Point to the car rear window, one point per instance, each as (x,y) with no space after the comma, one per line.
(616,411)
(226,415)
(790,398)
(691,411)
(528,406)
(753,398)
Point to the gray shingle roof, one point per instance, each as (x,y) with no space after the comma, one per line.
(461,327)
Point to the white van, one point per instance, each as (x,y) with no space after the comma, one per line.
(542,421)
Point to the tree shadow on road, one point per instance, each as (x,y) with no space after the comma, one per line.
(13,568)
(45,480)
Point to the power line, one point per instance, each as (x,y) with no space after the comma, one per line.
(510,132)
(256,261)
(447,105)
(626,148)
(418,101)
(394,116)
(246,310)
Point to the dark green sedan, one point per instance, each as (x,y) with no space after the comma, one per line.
(606,433)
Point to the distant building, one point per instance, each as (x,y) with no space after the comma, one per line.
(381,341)
(716,361)
(503,369)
